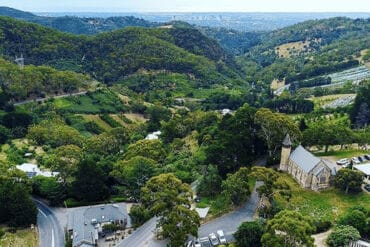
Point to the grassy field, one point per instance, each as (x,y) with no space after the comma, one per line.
(345,153)
(292,48)
(22,238)
(327,205)
(97,120)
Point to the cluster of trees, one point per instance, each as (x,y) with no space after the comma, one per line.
(16,207)
(360,112)
(290,105)
(287,228)
(37,81)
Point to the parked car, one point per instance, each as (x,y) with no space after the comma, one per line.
(343,161)
(204,242)
(196,243)
(367,156)
(197,199)
(221,237)
(360,159)
(355,160)
(367,187)
(213,239)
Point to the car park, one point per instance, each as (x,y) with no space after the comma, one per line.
(343,162)
(213,239)
(205,242)
(221,237)
(355,160)
(196,243)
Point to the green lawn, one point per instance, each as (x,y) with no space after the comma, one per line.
(328,204)
(345,153)
(22,238)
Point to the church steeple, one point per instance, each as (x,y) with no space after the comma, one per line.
(285,153)
(287,142)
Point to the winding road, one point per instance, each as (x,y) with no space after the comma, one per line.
(50,232)
(49,97)
(144,235)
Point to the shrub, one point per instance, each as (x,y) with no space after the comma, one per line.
(322,225)
(342,236)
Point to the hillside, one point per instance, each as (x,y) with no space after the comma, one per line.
(308,49)
(112,56)
(77,25)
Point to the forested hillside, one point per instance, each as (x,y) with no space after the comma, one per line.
(307,50)
(112,56)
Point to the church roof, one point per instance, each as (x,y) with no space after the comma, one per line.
(287,142)
(304,159)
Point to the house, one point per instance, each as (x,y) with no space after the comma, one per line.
(308,170)
(85,225)
(33,170)
(365,168)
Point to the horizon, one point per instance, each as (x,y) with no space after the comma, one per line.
(191,6)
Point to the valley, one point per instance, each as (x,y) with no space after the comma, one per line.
(147,130)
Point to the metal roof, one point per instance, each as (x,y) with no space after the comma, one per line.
(365,168)
(81,221)
(304,159)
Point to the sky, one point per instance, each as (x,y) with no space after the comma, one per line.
(189,5)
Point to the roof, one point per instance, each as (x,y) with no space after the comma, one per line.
(310,163)
(304,159)
(33,170)
(365,168)
(81,221)
(287,141)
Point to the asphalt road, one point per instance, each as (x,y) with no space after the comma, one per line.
(144,235)
(229,222)
(50,232)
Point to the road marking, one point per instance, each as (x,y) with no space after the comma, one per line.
(52,238)
(42,213)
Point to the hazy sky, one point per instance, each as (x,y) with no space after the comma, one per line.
(190,5)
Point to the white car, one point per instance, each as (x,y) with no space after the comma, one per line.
(343,161)
(355,160)
(221,237)
(213,239)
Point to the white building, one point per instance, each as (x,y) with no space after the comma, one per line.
(33,170)
(365,168)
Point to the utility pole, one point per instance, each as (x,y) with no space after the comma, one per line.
(20,61)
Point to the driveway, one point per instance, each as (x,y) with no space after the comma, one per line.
(50,232)
(230,222)
(144,235)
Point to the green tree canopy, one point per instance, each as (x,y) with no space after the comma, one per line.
(249,234)
(342,236)
(348,180)
(289,228)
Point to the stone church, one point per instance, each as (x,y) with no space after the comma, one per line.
(308,170)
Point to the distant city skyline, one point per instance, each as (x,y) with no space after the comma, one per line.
(189,5)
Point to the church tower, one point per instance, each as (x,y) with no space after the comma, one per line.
(285,153)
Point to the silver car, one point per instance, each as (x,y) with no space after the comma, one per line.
(213,239)
(221,237)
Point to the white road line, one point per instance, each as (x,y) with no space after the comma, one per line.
(52,238)
(42,213)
